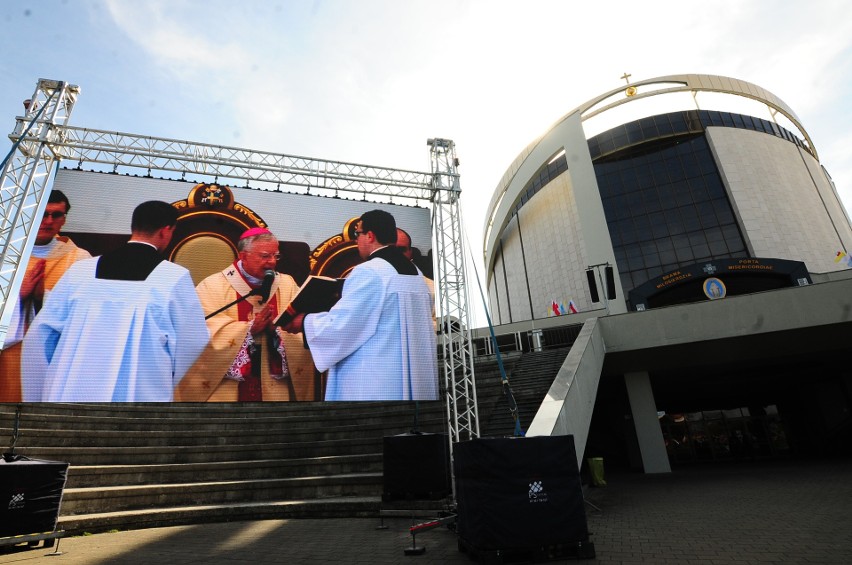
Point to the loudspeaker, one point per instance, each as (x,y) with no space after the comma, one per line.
(416,467)
(30,493)
(593,286)
(519,493)
(610,283)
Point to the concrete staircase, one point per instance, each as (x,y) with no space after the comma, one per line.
(150,465)
(530,376)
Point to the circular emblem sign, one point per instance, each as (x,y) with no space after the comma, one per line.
(714,288)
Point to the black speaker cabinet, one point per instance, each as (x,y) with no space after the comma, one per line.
(416,467)
(30,494)
(520,494)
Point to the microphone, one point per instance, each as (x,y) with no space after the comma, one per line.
(266,285)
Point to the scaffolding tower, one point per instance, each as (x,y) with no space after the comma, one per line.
(42,138)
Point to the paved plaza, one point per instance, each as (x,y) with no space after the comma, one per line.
(774,512)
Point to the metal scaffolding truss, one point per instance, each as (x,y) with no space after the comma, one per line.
(43,137)
(26,172)
(260,167)
(457,345)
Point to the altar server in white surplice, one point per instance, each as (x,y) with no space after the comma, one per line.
(52,255)
(123,327)
(377,342)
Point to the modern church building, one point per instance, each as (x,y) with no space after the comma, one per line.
(688,221)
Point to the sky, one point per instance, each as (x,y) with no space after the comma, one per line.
(369,81)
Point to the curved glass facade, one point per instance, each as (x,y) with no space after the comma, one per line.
(662,193)
(666,206)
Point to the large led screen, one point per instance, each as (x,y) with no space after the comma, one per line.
(212,309)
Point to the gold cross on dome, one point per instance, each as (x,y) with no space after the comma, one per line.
(626,77)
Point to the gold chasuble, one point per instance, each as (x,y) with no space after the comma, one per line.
(239,366)
(64,254)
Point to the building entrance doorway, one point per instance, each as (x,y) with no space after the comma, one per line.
(724,435)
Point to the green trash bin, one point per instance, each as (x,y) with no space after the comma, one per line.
(596,470)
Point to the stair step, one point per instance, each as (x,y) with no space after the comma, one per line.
(336,507)
(150,465)
(89,500)
(127,475)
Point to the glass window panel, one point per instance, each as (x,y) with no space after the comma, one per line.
(691,168)
(660,230)
(675,170)
(718,248)
(727,120)
(732,235)
(707,219)
(699,190)
(680,241)
(678,123)
(715,188)
(665,244)
(667,197)
(693,121)
(621,212)
(594,150)
(635,263)
(649,128)
(641,222)
(714,234)
(648,247)
(690,219)
(701,252)
(706,163)
(715,118)
(657,219)
(652,260)
(663,126)
(634,132)
(635,202)
(675,224)
(683,196)
(697,238)
(723,210)
(633,251)
(684,255)
(658,170)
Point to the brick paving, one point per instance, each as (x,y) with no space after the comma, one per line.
(778,512)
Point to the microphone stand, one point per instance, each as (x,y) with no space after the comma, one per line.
(255,292)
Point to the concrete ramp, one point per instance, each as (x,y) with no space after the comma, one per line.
(567,408)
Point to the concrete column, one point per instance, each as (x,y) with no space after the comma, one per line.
(644,409)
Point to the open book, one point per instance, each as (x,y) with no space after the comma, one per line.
(317,294)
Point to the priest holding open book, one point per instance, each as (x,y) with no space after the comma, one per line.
(377,342)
